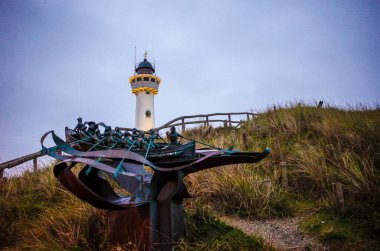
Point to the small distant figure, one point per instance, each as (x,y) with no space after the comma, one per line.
(118,132)
(173,136)
(80,126)
(116,135)
(152,137)
(92,131)
(320,104)
(136,138)
(98,134)
(107,137)
(135,134)
(126,140)
(143,141)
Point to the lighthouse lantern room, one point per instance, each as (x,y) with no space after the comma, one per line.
(144,85)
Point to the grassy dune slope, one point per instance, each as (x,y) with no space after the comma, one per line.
(36,213)
(319,146)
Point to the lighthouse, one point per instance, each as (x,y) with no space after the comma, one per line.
(144,85)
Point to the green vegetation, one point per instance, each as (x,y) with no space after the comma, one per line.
(206,232)
(38,214)
(337,231)
(320,146)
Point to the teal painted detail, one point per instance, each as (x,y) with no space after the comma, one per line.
(89,170)
(267,150)
(230,151)
(118,169)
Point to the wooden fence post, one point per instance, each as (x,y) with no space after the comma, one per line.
(247,116)
(229,120)
(338,196)
(284,174)
(2,179)
(35,165)
(233,135)
(183,125)
(207,123)
(244,140)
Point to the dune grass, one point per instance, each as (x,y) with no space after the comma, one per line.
(319,146)
(38,214)
(206,232)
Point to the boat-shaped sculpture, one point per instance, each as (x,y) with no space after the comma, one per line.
(123,156)
(163,150)
(144,164)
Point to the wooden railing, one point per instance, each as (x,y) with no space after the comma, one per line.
(207,119)
(203,119)
(21,160)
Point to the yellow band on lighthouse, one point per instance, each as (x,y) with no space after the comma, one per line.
(144,89)
(135,77)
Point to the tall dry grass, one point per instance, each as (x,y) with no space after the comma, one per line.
(38,214)
(238,190)
(319,145)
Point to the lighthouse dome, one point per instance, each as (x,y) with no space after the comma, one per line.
(145,66)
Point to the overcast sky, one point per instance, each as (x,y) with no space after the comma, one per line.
(64,59)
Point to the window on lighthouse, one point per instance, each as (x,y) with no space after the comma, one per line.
(138,79)
(146,79)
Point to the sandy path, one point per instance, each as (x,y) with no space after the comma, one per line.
(282,234)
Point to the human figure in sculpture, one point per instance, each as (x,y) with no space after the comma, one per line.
(90,132)
(135,137)
(143,141)
(107,136)
(80,126)
(135,134)
(152,137)
(118,132)
(173,136)
(126,140)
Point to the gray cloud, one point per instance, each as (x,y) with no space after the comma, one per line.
(64,59)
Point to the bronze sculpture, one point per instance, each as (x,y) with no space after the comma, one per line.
(155,203)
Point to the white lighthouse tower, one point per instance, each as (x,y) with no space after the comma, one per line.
(144,85)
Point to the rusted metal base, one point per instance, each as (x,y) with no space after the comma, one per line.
(168,218)
(130,227)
